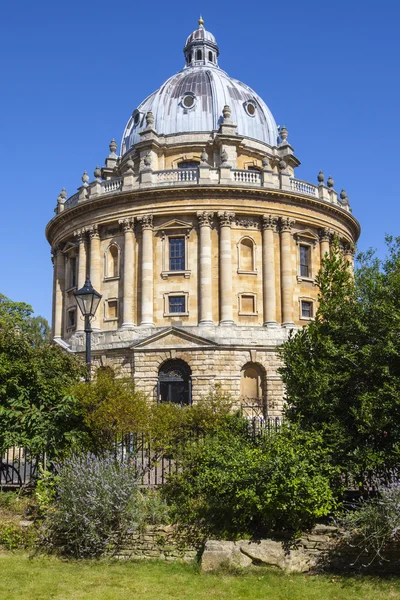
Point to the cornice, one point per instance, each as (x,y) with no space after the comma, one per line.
(156,194)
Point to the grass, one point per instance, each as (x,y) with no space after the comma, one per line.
(46,578)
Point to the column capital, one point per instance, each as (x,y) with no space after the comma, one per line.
(325,234)
(205,218)
(286,223)
(80,235)
(349,248)
(93,232)
(269,222)
(127,224)
(226,218)
(146,221)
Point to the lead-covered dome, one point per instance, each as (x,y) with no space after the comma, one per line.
(192,100)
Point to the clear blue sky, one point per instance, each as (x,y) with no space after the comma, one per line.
(72,73)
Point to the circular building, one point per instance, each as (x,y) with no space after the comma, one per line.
(201,240)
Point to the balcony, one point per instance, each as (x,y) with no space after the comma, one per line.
(201,176)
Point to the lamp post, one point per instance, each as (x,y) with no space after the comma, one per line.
(88,299)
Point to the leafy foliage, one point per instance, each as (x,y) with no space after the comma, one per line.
(34,378)
(342,372)
(97,502)
(230,486)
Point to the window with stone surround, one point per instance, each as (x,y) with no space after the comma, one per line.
(176,253)
(112,262)
(71,318)
(307,309)
(247,256)
(176,304)
(111,309)
(72,268)
(305,252)
(247,304)
(306,241)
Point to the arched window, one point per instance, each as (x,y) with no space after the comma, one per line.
(199,55)
(174,382)
(252,389)
(247,255)
(112,261)
(210,57)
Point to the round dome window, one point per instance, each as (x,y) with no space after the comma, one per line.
(188,100)
(250,108)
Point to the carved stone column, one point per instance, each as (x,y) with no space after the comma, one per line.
(205,271)
(128,320)
(95,267)
(349,251)
(147,316)
(82,258)
(59,276)
(324,241)
(287,274)
(268,268)
(225,267)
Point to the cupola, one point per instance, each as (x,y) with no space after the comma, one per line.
(201,48)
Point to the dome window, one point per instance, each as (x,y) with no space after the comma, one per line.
(250,108)
(136,117)
(188,100)
(199,55)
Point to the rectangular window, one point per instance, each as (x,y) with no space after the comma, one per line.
(72,271)
(112,309)
(248,304)
(177,254)
(71,318)
(304,261)
(306,309)
(176,304)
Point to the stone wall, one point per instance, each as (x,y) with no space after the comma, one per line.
(156,542)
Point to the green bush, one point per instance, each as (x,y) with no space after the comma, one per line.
(15,537)
(231,487)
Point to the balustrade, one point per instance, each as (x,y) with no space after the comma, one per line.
(243,176)
(172,175)
(112,185)
(303,187)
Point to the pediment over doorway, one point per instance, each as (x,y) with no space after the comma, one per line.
(172,337)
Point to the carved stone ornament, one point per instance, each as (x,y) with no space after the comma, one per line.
(349,248)
(85,178)
(284,134)
(127,224)
(269,222)
(226,218)
(325,234)
(321,177)
(113,146)
(146,221)
(147,160)
(204,157)
(97,172)
(93,231)
(224,157)
(226,111)
(247,223)
(282,165)
(330,182)
(265,162)
(129,166)
(80,235)
(149,119)
(286,223)
(205,218)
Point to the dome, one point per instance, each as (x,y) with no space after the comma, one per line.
(192,100)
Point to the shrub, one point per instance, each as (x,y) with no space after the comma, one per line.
(97,501)
(230,486)
(374,523)
(15,537)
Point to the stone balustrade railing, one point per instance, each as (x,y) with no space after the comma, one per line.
(302,187)
(244,176)
(176,175)
(210,176)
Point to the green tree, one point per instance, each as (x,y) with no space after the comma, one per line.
(34,378)
(342,372)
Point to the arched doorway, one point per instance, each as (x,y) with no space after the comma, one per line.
(174,382)
(252,387)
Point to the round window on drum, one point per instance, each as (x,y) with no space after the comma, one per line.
(188,100)
(250,108)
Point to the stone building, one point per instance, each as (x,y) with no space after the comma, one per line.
(201,240)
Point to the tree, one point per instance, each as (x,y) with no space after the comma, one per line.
(35,410)
(342,372)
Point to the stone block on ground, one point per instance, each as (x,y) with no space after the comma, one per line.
(221,553)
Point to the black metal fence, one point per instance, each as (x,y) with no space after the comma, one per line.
(20,468)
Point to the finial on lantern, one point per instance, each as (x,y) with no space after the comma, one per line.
(201,21)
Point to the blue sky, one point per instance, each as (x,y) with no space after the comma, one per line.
(73,72)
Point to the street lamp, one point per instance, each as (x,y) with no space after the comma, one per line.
(88,300)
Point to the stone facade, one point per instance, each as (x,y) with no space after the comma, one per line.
(203,244)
